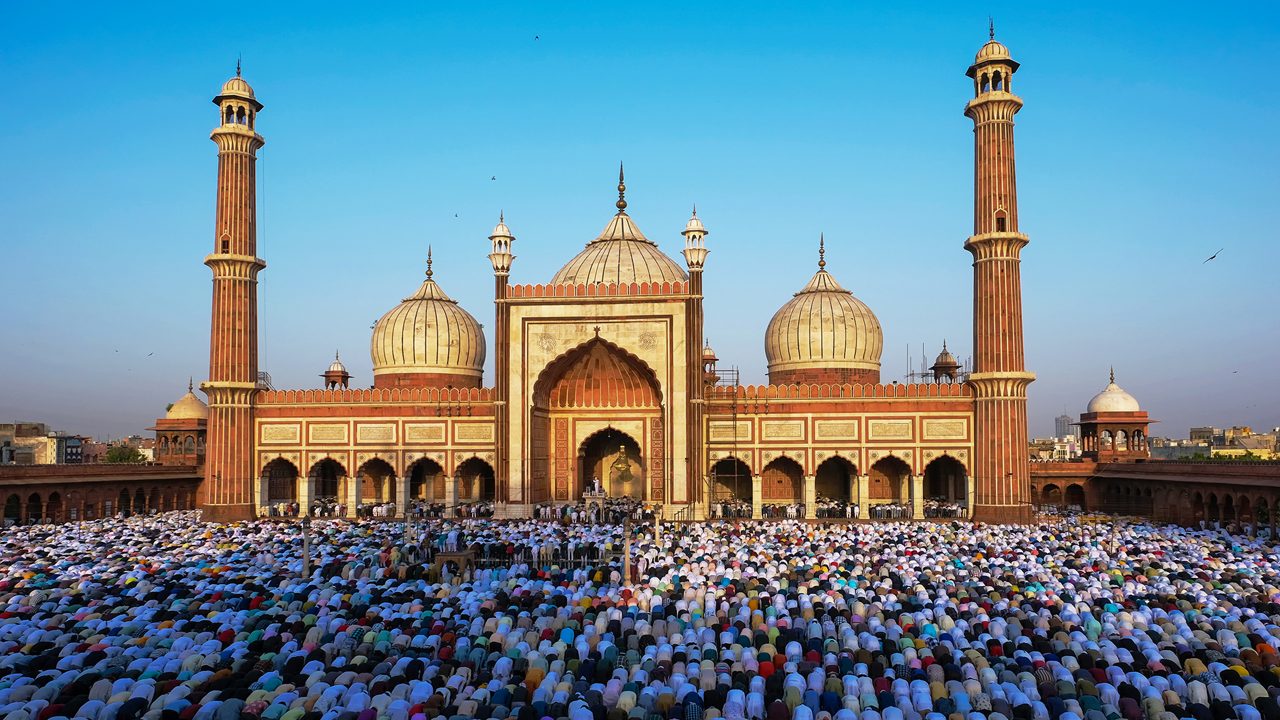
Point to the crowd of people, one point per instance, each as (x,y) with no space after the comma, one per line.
(162,617)
(890,511)
(831,509)
(943,509)
(611,510)
(777,511)
(730,509)
(478,509)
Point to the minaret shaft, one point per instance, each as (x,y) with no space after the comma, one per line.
(1001,465)
(229,489)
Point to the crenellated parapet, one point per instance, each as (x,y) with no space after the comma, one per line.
(358,396)
(596,290)
(854,390)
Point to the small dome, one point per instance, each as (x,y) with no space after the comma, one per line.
(428,333)
(188,407)
(621,254)
(336,366)
(824,327)
(237,86)
(694,225)
(709,354)
(501,229)
(945,359)
(1113,399)
(992,50)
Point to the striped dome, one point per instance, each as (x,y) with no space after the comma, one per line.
(621,254)
(824,327)
(428,334)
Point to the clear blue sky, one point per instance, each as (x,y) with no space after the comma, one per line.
(1148,141)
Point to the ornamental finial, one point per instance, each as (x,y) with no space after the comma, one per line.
(622,190)
(429,272)
(822,251)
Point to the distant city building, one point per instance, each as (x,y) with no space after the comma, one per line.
(1062,426)
(32,443)
(1209,435)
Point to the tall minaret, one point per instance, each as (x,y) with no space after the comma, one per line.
(1001,468)
(228,492)
(695,256)
(500,257)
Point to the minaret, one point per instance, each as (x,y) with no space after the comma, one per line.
(500,257)
(695,256)
(228,492)
(1001,468)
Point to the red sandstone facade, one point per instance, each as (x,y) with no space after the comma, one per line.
(603,372)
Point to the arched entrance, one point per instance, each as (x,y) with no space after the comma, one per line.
(614,458)
(280,478)
(946,491)
(325,479)
(890,480)
(12,509)
(54,508)
(475,481)
(34,511)
(782,482)
(1051,495)
(426,481)
(730,480)
(124,506)
(586,392)
(377,482)
(1074,498)
(834,480)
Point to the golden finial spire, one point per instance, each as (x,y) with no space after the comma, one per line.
(1113,373)
(695,209)
(944,345)
(502,218)
(622,191)
(429,273)
(190,384)
(822,251)
(237,66)
(991,28)
(335,355)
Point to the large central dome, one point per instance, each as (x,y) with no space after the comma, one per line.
(621,254)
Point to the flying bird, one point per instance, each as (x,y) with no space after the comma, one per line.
(535,37)
(150,354)
(1213,256)
(494,177)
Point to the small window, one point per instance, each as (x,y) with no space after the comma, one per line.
(226,246)
(1000,224)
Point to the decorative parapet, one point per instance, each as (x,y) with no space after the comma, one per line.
(596,290)
(375,395)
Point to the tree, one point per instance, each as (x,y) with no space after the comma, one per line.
(124,454)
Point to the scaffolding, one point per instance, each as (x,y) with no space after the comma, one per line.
(718,491)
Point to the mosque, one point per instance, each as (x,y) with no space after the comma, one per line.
(603,372)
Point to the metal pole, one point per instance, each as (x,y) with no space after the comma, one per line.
(626,551)
(306,547)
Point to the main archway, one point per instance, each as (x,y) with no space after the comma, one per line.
(580,398)
(612,458)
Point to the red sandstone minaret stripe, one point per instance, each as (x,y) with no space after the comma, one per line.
(1001,467)
(229,488)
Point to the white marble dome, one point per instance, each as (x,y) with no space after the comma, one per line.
(1113,398)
